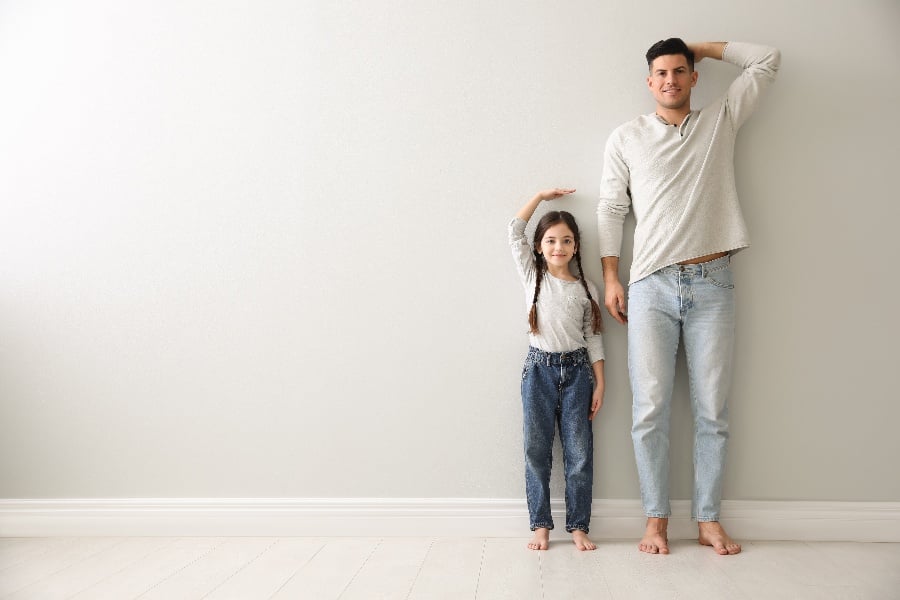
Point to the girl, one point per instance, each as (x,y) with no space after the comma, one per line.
(562,381)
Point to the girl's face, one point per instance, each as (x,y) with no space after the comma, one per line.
(558,245)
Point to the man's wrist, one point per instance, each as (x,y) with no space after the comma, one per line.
(610,266)
(708,50)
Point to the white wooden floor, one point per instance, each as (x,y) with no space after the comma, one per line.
(435,568)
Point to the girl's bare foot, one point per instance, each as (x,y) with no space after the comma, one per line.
(582,541)
(541,539)
(712,534)
(656,537)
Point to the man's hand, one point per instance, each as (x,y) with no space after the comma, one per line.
(615,301)
(703,50)
(615,294)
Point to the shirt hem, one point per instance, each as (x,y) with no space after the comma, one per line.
(654,269)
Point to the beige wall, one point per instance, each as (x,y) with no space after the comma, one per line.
(258,250)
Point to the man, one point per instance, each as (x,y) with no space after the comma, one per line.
(675,169)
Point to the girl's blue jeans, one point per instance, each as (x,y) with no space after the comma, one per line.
(694,303)
(557,388)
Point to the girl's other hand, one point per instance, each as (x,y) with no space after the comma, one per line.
(596,400)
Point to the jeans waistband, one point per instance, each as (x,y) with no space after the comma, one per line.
(557,358)
(701,269)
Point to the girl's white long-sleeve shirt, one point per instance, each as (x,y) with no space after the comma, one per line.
(679,181)
(564,311)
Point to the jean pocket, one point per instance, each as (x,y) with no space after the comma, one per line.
(529,364)
(721,278)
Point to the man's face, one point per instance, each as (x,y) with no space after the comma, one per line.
(671,80)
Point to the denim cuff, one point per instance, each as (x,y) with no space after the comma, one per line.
(571,528)
(541,525)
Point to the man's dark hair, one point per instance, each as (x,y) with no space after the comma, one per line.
(670,46)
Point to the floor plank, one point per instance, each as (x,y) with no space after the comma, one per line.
(57,558)
(140,577)
(17,551)
(509,570)
(263,577)
(330,571)
(875,568)
(690,570)
(567,572)
(450,570)
(204,575)
(793,571)
(390,571)
(90,571)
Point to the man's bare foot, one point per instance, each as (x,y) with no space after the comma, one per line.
(656,537)
(541,539)
(712,534)
(582,541)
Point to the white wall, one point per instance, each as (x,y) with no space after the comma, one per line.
(258,249)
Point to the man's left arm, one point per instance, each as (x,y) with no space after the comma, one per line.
(759,66)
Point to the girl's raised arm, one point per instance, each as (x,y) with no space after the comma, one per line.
(527,211)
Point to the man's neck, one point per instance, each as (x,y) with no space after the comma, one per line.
(673,116)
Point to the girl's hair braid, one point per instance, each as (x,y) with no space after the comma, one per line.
(540,266)
(596,318)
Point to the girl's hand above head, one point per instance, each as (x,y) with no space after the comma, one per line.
(525,213)
(554,193)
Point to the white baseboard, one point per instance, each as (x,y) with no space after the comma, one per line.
(383,517)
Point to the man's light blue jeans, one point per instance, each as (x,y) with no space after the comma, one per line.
(696,302)
(557,388)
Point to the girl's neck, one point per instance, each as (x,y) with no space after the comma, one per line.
(561,273)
